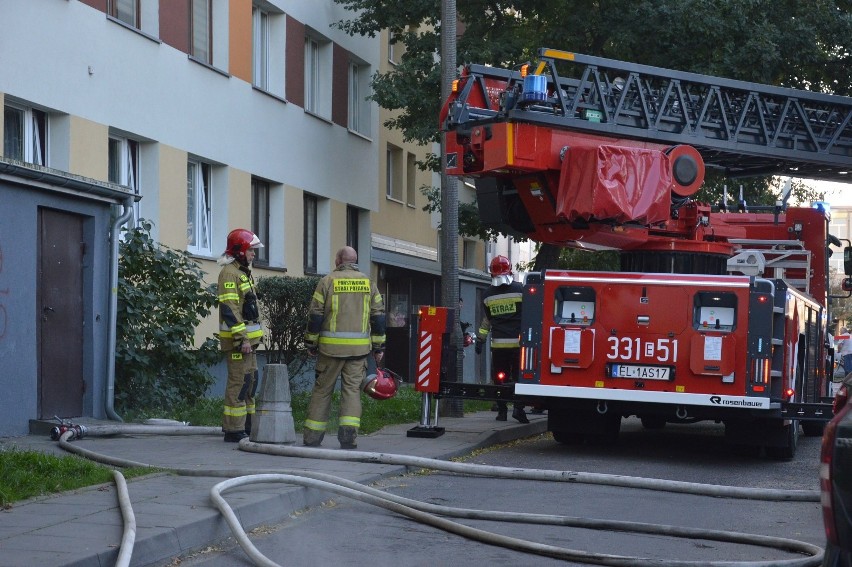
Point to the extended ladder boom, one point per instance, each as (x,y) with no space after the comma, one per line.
(744,128)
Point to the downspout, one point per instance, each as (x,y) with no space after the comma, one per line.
(109,402)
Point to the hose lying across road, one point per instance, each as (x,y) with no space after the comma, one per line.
(431,514)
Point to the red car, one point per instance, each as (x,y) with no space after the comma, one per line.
(836,480)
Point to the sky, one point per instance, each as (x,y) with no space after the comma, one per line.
(838,194)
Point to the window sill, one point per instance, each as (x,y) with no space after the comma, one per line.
(269,94)
(359,135)
(318,117)
(209,66)
(144,34)
(394,200)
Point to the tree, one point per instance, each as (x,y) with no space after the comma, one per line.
(780,42)
(161,300)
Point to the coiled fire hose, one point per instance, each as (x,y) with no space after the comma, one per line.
(429,513)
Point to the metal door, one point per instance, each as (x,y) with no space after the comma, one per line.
(60,314)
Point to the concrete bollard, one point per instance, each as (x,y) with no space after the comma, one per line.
(273,420)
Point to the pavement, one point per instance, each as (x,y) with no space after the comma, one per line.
(174,514)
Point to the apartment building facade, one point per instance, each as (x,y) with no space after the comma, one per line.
(211,114)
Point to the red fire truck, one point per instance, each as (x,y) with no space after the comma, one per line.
(719,311)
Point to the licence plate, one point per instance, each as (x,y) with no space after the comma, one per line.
(639,372)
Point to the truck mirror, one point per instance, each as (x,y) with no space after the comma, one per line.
(846,285)
(847,260)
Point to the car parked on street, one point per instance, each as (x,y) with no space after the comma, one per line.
(836,480)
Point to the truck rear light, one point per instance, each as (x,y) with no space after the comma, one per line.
(761,371)
(789,393)
(825,481)
(501,377)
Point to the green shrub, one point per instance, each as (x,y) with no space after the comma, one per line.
(284,303)
(161,300)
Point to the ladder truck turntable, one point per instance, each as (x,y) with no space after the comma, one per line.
(718,312)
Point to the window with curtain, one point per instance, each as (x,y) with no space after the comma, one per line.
(125,10)
(312,75)
(359,106)
(393,174)
(123,156)
(25,134)
(310,235)
(410,179)
(260,47)
(202,30)
(260,217)
(198,208)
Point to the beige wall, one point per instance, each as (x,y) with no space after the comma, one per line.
(89,149)
(172,183)
(239,199)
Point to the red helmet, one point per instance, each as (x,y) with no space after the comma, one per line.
(240,240)
(381,385)
(500,266)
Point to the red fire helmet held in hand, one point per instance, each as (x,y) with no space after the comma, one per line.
(380,386)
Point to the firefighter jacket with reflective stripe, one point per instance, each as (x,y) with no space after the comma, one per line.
(239,320)
(347,315)
(501,315)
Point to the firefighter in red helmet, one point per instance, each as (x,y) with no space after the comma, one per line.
(239,331)
(501,318)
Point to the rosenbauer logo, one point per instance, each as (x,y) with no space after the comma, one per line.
(740,403)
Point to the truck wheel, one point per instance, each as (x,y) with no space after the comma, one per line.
(653,421)
(788,451)
(813,428)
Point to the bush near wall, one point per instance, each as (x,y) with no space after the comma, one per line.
(161,300)
(284,303)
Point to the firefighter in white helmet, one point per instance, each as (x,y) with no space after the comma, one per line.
(239,331)
(501,318)
(346,322)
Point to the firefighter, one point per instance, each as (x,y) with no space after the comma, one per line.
(346,321)
(501,317)
(239,331)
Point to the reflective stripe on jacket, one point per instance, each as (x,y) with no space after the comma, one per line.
(347,314)
(501,315)
(238,314)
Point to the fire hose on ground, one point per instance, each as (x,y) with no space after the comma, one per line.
(430,514)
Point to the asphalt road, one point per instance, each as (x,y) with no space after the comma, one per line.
(354,533)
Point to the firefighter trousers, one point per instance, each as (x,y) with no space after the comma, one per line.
(352,371)
(239,391)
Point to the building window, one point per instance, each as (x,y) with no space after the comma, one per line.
(359,106)
(260,217)
(260,51)
(391,49)
(318,76)
(124,167)
(410,179)
(202,30)
(198,208)
(393,178)
(352,214)
(126,11)
(469,254)
(310,235)
(312,75)
(25,134)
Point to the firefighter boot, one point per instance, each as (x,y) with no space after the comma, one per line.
(519,414)
(248,424)
(312,438)
(347,435)
(234,436)
(502,410)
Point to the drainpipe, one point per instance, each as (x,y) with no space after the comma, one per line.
(113,308)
